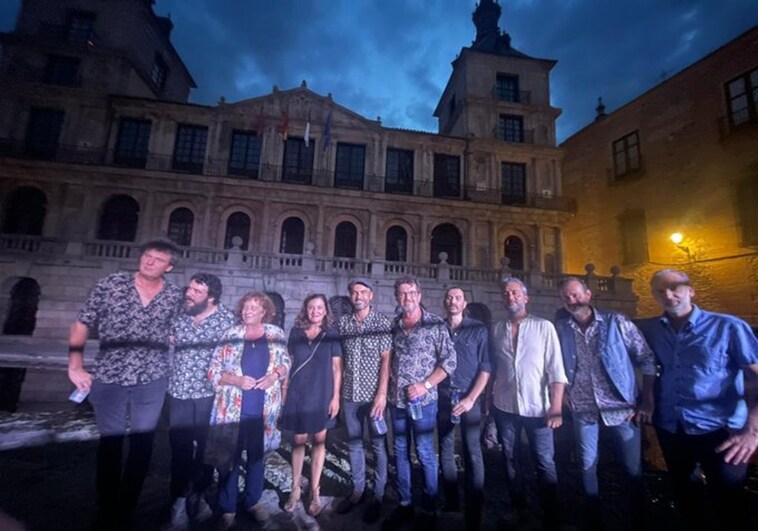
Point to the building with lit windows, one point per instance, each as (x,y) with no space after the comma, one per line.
(680,160)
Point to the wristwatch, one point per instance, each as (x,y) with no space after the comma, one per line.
(428,386)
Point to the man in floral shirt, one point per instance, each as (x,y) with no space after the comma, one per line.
(423,355)
(132,313)
(197,333)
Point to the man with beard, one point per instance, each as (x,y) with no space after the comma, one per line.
(471,375)
(527,395)
(366,346)
(600,352)
(197,332)
(132,313)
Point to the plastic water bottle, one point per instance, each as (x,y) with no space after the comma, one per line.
(380,425)
(455,397)
(415,407)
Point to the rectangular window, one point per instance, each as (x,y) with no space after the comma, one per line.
(511,128)
(132,143)
(350,166)
(245,155)
(742,99)
(513,183)
(447,176)
(80,27)
(626,156)
(633,230)
(43,133)
(159,73)
(62,71)
(507,89)
(189,151)
(298,161)
(747,199)
(399,178)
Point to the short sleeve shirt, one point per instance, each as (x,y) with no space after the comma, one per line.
(193,348)
(134,338)
(362,345)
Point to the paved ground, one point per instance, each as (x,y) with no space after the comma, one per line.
(47,460)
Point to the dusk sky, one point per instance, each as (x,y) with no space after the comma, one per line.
(391,58)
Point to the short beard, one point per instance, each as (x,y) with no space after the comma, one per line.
(197,309)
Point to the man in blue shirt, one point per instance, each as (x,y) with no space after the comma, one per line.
(471,375)
(707,401)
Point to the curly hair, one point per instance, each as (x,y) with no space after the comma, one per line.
(302,321)
(269,310)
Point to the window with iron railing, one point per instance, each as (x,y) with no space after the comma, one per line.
(132,143)
(298,161)
(513,183)
(399,174)
(350,166)
(189,151)
(511,128)
(626,156)
(507,88)
(742,99)
(245,154)
(447,175)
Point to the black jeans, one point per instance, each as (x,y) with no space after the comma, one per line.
(188,432)
(724,489)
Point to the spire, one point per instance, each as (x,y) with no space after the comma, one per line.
(486,16)
(600,110)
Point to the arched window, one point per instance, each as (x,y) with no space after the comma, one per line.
(293,236)
(345,240)
(22,310)
(446,238)
(118,219)
(514,251)
(238,224)
(180,224)
(396,244)
(25,211)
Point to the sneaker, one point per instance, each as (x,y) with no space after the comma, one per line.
(402,515)
(373,510)
(179,516)
(349,503)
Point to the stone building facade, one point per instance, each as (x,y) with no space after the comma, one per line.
(288,192)
(681,158)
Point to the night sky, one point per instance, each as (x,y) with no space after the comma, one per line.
(391,58)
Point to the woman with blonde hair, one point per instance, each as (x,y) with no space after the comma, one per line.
(313,396)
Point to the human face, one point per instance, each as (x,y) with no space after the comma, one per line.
(252,313)
(361,297)
(515,299)
(153,264)
(408,297)
(455,302)
(316,311)
(673,294)
(196,298)
(575,297)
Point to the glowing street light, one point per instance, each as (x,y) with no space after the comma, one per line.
(678,238)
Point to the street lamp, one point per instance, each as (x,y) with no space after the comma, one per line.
(678,238)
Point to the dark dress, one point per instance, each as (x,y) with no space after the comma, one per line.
(306,409)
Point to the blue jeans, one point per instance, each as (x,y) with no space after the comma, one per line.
(355,413)
(250,439)
(423,434)
(542,452)
(471,432)
(188,432)
(122,409)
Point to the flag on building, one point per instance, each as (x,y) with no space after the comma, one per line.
(307,136)
(328,130)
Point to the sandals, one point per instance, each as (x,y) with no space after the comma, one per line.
(293,500)
(315,507)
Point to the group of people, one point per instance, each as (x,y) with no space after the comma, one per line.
(234,381)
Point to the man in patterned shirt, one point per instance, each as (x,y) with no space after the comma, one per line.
(600,352)
(197,333)
(423,356)
(366,344)
(132,313)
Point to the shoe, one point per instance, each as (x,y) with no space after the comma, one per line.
(293,500)
(349,503)
(399,517)
(315,507)
(226,522)
(179,517)
(373,510)
(259,512)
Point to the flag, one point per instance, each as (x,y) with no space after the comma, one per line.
(307,136)
(285,126)
(328,130)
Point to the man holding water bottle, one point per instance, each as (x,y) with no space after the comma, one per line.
(423,356)
(366,345)
(459,404)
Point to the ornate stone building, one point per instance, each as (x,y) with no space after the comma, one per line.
(681,159)
(288,192)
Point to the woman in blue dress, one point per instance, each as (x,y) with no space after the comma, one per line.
(313,396)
